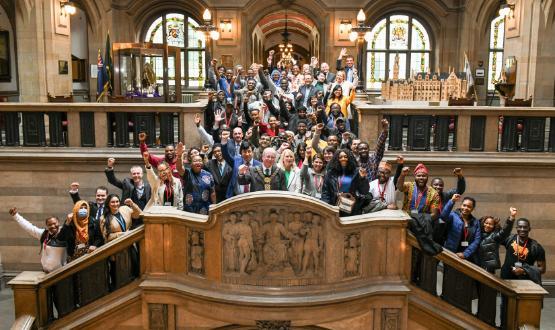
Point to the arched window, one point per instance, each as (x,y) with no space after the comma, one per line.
(396,34)
(179,32)
(496,44)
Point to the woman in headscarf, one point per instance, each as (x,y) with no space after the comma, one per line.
(81,232)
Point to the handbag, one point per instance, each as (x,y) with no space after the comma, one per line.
(345,202)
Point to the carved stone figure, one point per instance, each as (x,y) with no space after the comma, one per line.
(231,253)
(244,242)
(297,242)
(275,241)
(196,248)
(257,235)
(313,245)
(352,254)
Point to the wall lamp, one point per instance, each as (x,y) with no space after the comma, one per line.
(225,25)
(67,8)
(506,9)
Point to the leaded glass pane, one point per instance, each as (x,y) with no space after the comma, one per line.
(420,38)
(196,39)
(175,30)
(195,62)
(402,65)
(375,67)
(497,33)
(154,32)
(494,69)
(399,32)
(378,36)
(419,62)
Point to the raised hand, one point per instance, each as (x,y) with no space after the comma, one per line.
(111,162)
(243,169)
(142,137)
(405,171)
(343,52)
(13,211)
(214,62)
(346,136)
(197,119)
(204,149)
(308,152)
(319,127)
(179,150)
(458,172)
(128,202)
(513,212)
(248,134)
(400,159)
(74,186)
(385,125)
(271,52)
(456,197)
(146,155)
(219,115)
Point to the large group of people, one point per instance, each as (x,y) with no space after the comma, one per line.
(291,128)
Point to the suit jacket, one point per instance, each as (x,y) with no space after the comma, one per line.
(255,177)
(237,161)
(330,76)
(221,180)
(127,187)
(294,183)
(305,95)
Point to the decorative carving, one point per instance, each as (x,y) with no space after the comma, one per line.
(196,252)
(391,318)
(273,325)
(157,316)
(352,254)
(273,247)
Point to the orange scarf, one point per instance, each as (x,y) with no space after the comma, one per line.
(81,225)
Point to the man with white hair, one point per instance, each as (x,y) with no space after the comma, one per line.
(266,176)
(133,187)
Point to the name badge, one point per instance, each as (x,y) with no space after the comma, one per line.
(464,243)
(167,204)
(81,246)
(518,264)
(413,213)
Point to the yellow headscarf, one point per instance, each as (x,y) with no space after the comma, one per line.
(81,225)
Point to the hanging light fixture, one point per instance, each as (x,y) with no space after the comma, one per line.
(505,9)
(67,8)
(286,48)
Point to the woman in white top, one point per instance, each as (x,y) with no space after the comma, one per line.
(287,164)
(53,253)
(312,177)
(166,189)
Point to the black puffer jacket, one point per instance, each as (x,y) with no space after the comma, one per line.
(489,246)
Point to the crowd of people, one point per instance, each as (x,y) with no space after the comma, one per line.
(292,129)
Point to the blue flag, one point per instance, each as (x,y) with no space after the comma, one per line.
(102,79)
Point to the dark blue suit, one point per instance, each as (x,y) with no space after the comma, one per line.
(234,162)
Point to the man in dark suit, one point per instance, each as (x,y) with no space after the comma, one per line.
(134,187)
(305,92)
(266,176)
(221,172)
(246,151)
(325,69)
(96,206)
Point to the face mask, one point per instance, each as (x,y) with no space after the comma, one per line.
(82,213)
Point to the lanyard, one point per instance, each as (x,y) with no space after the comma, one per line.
(465,231)
(318,182)
(340,183)
(168,191)
(417,197)
(120,220)
(382,192)
(228,121)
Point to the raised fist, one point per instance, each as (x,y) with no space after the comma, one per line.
(111,162)
(74,186)
(142,137)
(513,212)
(13,211)
(456,197)
(385,124)
(400,159)
(458,171)
(405,171)
(197,119)
(128,202)
(179,149)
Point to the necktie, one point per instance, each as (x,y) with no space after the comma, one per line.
(99,213)
(267,172)
(221,169)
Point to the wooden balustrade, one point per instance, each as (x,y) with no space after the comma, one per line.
(80,282)
(461,128)
(522,300)
(97,124)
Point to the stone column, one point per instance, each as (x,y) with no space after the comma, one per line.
(42,33)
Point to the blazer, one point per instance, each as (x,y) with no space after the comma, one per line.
(306,181)
(221,180)
(294,183)
(255,177)
(237,161)
(455,227)
(127,186)
(360,188)
(305,95)
(157,194)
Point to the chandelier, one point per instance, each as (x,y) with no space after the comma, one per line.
(285,47)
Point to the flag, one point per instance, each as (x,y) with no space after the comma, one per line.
(108,64)
(468,72)
(102,78)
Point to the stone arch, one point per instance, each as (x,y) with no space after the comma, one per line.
(256,10)
(482,16)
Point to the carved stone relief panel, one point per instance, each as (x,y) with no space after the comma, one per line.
(157,316)
(391,318)
(196,252)
(273,247)
(352,254)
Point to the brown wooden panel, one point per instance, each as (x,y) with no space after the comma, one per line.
(213,255)
(178,249)
(394,256)
(154,238)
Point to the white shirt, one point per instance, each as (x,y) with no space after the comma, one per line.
(387,190)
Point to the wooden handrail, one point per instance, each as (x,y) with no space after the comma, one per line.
(469,269)
(24,322)
(99,254)
(101,107)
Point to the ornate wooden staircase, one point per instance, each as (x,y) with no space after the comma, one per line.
(265,261)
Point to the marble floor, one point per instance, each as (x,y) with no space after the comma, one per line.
(7,312)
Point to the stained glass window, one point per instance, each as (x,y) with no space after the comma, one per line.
(397,34)
(179,32)
(496,44)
